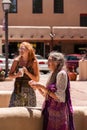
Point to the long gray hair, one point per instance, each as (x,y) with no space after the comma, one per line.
(60,60)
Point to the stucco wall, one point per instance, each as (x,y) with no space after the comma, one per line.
(70,17)
(23,118)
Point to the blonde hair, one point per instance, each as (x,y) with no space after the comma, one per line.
(31,54)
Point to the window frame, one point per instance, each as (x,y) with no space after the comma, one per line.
(83,20)
(12,4)
(37,10)
(60,5)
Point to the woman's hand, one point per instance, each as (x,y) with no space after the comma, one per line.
(33,84)
(25,70)
(34,76)
(37,85)
(18,74)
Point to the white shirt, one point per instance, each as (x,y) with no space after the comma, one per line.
(61,85)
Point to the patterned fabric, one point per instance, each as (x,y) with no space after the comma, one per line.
(69,105)
(23,94)
(61,85)
(56,114)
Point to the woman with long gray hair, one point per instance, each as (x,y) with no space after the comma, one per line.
(57,108)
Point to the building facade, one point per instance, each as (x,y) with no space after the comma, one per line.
(56,25)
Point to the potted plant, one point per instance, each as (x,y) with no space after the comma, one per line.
(72,74)
(2,74)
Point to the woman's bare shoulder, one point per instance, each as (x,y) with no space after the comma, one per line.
(16,59)
(35,61)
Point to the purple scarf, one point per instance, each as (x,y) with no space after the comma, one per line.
(69,104)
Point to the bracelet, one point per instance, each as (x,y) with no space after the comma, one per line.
(48,92)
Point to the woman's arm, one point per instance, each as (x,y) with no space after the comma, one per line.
(42,89)
(12,73)
(34,76)
(61,84)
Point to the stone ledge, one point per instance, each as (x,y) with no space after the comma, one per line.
(80,117)
(30,118)
(20,118)
(5,98)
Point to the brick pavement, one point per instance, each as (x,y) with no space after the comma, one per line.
(78,91)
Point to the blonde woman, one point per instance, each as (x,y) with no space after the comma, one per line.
(57,108)
(24,68)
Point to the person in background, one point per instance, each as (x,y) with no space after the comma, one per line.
(57,109)
(85,55)
(24,68)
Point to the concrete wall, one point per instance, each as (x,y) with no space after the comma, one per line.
(80,118)
(5,98)
(23,118)
(20,118)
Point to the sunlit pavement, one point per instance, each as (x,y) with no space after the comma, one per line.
(78,90)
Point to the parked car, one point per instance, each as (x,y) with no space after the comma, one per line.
(43,63)
(72,61)
(2,62)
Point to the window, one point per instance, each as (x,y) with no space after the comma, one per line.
(13,8)
(58,6)
(37,6)
(83,20)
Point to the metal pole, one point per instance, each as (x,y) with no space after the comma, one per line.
(6,43)
(51,47)
(44,50)
(52,36)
